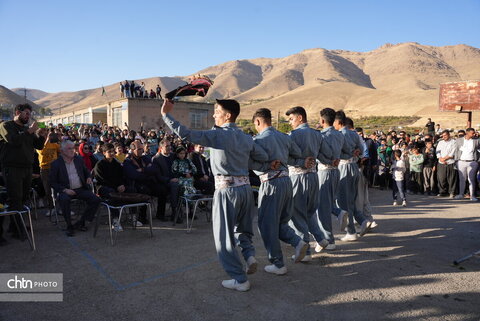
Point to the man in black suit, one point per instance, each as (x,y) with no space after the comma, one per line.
(70,179)
(203,180)
(162,161)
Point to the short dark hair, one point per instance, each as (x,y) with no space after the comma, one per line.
(340,117)
(470,129)
(398,152)
(446,131)
(349,122)
(264,113)
(231,106)
(297,110)
(359,130)
(180,149)
(328,115)
(22,107)
(107,147)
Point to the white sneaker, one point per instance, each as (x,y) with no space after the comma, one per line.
(404,203)
(300,251)
(364,227)
(474,199)
(320,246)
(307,258)
(373,225)
(234,285)
(251,265)
(276,270)
(343,219)
(395,203)
(331,247)
(137,222)
(349,237)
(116,226)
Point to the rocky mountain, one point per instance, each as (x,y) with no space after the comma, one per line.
(401,79)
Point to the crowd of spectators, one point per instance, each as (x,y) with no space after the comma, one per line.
(441,163)
(130,89)
(160,164)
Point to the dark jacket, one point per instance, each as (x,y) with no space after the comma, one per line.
(59,177)
(163,167)
(109,174)
(17,145)
(134,178)
(199,160)
(429,158)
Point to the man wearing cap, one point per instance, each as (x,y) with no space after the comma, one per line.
(275,194)
(233,203)
(305,181)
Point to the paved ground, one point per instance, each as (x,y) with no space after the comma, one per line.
(401,271)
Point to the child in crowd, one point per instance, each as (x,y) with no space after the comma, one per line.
(184,169)
(416,170)
(119,153)
(398,173)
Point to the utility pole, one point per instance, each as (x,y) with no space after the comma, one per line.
(25,94)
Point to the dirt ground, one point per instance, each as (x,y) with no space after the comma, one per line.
(402,270)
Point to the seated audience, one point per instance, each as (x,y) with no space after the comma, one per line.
(70,179)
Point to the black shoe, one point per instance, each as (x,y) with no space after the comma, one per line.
(179,221)
(80,226)
(70,231)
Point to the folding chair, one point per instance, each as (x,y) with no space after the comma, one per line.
(30,235)
(194,199)
(121,208)
(54,212)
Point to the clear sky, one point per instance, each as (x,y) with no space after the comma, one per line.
(74,45)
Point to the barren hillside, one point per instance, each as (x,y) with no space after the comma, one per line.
(400,79)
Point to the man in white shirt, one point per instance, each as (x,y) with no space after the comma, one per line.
(446,173)
(467,155)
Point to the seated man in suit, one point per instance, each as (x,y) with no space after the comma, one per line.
(162,162)
(203,180)
(70,179)
(140,175)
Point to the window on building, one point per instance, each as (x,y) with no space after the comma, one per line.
(198,118)
(117,116)
(86,118)
(78,118)
(70,119)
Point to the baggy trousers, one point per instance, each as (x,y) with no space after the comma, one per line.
(305,203)
(274,211)
(320,224)
(233,211)
(362,201)
(347,192)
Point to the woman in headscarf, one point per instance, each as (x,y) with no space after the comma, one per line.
(87,155)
